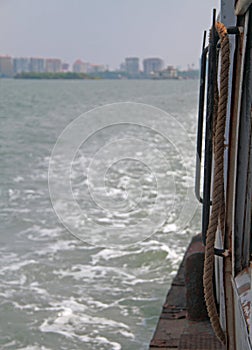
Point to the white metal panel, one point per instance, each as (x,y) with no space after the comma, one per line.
(242,6)
(242,335)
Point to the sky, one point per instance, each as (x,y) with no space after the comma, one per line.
(105,31)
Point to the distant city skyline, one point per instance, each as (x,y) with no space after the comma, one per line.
(105,32)
(47,67)
(10,66)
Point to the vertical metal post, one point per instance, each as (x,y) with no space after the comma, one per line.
(212,66)
(200,118)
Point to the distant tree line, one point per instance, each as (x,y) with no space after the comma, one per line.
(67,75)
(192,74)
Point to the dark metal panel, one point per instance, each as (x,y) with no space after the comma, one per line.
(199,341)
(242,237)
(247,106)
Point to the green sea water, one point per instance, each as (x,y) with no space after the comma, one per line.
(87,289)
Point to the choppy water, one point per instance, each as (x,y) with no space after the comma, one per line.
(104,290)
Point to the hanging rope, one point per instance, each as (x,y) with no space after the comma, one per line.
(218,205)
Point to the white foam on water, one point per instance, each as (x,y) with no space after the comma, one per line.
(169,228)
(34,286)
(38,233)
(102,306)
(58,246)
(115,346)
(107,254)
(127,334)
(15,266)
(87,272)
(100,342)
(14,194)
(71,322)
(18,179)
(34,347)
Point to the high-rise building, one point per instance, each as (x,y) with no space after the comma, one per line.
(152,65)
(6,66)
(132,65)
(21,65)
(96,68)
(122,67)
(52,65)
(170,73)
(37,65)
(80,67)
(65,67)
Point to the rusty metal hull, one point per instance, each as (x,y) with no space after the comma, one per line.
(180,326)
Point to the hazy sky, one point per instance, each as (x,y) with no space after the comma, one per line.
(105,31)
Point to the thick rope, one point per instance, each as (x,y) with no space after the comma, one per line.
(218,208)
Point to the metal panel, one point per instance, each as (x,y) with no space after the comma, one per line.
(247,100)
(242,6)
(242,235)
(228,18)
(242,336)
(219,283)
(200,119)
(199,342)
(250,318)
(211,86)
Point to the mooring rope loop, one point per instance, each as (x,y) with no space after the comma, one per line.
(218,203)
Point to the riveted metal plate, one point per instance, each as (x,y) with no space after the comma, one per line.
(199,342)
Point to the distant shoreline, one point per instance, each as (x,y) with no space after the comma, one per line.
(68,75)
(97,76)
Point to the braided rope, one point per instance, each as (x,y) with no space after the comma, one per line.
(218,209)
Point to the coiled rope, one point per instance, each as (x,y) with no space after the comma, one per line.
(218,204)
